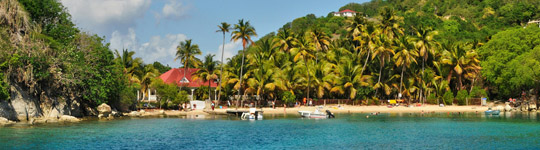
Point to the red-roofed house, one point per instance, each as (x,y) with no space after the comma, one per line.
(345,13)
(176,76)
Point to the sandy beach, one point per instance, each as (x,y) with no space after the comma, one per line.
(367,109)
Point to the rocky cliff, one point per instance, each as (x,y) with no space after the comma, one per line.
(24,107)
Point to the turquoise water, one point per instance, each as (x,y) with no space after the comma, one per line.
(347,131)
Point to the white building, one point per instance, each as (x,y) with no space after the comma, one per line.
(345,13)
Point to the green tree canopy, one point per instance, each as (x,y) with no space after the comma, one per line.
(511,61)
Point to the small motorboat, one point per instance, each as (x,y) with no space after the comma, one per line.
(317,113)
(253,114)
(492,112)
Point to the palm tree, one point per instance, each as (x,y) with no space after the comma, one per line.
(384,52)
(129,64)
(390,23)
(186,52)
(320,41)
(284,40)
(261,75)
(148,74)
(243,31)
(425,44)
(323,77)
(464,62)
(349,79)
(224,28)
(303,51)
(207,72)
(405,57)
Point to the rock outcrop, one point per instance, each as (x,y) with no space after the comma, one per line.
(68,118)
(23,106)
(104,110)
(5,121)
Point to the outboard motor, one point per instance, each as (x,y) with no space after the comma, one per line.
(330,114)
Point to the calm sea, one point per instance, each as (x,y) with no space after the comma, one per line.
(346,131)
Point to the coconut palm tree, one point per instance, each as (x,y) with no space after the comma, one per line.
(186,52)
(147,75)
(284,40)
(425,43)
(304,51)
(243,31)
(383,51)
(320,42)
(390,23)
(261,74)
(349,79)
(207,72)
(464,62)
(405,56)
(224,28)
(129,64)
(323,78)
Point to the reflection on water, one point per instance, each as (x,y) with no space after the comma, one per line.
(512,130)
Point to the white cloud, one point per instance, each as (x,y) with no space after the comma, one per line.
(106,16)
(231,49)
(174,10)
(158,48)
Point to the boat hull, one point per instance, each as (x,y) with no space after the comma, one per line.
(309,114)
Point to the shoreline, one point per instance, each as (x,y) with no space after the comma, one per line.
(368,109)
(157,113)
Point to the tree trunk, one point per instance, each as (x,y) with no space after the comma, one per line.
(401,81)
(309,81)
(380,74)
(365,63)
(460,82)
(221,73)
(209,90)
(241,73)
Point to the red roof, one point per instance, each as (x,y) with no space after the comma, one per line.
(176,74)
(347,10)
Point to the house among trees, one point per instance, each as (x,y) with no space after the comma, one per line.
(176,76)
(345,13)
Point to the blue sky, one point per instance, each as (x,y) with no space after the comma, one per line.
(153,28)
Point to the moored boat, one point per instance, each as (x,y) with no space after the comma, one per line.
(316,114)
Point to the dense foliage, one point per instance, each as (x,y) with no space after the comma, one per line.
(45,54)
(511,61)
(413,48)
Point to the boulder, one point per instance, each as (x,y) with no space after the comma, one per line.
(115,113)
(134,114)
(507,107)
(500,108)
(75,108)
(5,121)
(68,118)
(104,109)
(162,112)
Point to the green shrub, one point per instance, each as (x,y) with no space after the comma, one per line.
(4,88)
(477,92)
(288,97)
(181,97)
(432,99)
(462,96)
(448,97)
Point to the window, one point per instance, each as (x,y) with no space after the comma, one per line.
(184,80)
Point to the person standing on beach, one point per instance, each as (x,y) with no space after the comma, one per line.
(213,105)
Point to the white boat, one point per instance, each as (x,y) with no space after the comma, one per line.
(492,112)
(316,114)
(252,115)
